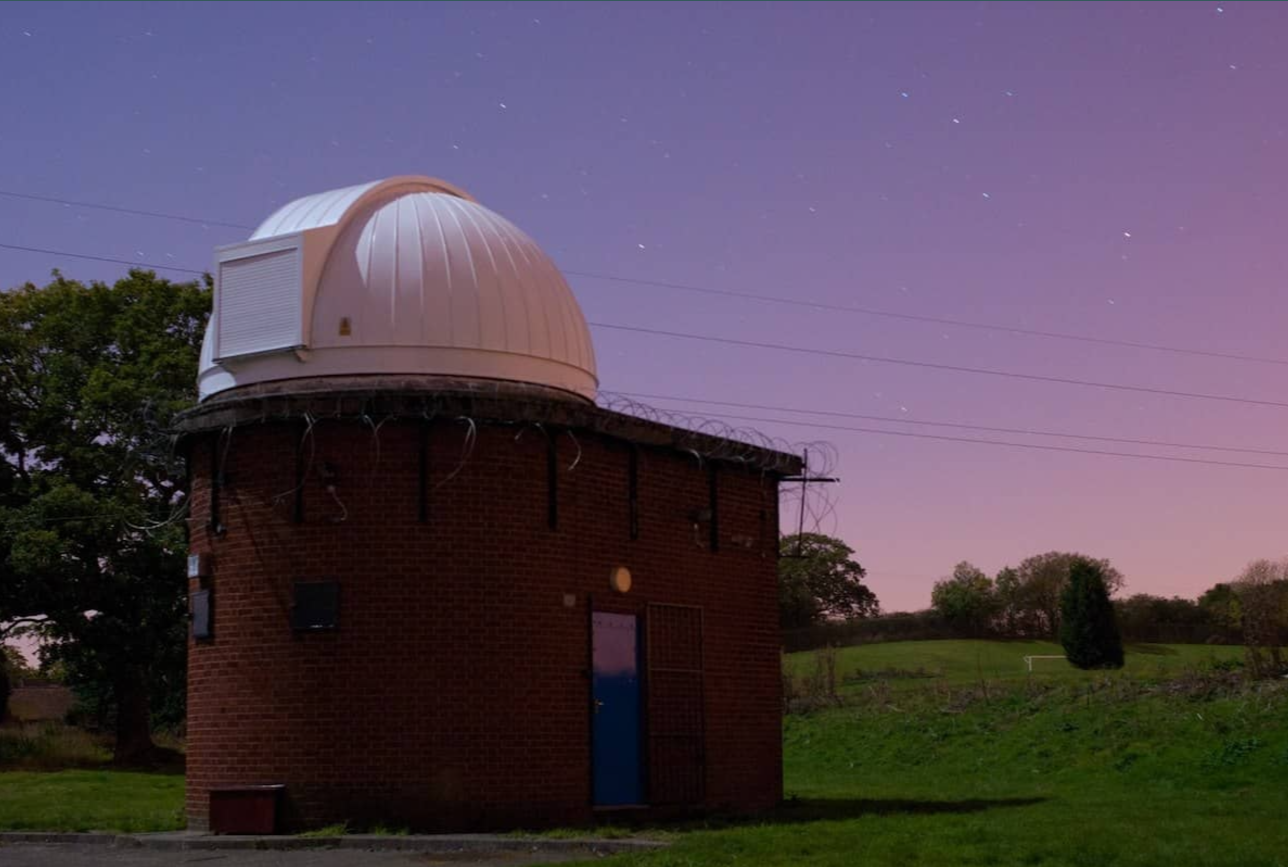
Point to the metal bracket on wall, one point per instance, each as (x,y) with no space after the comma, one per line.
(633,490)
(297,505)
(805,479)
(552,482)
(217,482)
(422,476)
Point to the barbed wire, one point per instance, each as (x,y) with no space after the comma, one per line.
(802,505)
(736,443)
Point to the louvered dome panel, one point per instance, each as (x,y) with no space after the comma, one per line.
(259,304)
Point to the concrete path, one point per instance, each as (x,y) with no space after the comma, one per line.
(36,849)
(92,855)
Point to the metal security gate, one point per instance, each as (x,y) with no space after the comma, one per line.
(676,717)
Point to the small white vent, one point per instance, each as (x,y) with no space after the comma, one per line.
(259,304)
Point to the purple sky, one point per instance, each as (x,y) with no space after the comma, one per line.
(976,161)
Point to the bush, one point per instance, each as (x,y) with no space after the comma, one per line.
(814,689)
(1088,628)
(50,746)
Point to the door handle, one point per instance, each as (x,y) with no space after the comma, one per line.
(598,705)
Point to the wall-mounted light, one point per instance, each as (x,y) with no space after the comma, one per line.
(620,579)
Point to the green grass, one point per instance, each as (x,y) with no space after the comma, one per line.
(90,801)
(1069,770)
(1168,763)
(961,662)
(339,829)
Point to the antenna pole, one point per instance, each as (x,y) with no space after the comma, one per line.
(800,527)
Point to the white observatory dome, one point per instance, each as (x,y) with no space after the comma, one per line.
(402,278)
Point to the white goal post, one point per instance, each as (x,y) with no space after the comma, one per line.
(1028,660)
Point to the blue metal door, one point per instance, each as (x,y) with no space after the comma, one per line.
(615,717)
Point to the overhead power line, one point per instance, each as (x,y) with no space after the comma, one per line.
(130,262)
(878,432)
(931,365)
(935,320)
(749,296)
(783,347)
(1014,445)
(960,426)
(155,214)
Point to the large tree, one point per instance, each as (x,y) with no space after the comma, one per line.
(1031,593)
(818,578)
(92,533)
(966,600)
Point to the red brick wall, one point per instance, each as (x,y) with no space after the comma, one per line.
(455,692)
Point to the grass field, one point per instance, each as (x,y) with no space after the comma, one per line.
(90,801)
(906,664)
(1171,762)
(1161,764)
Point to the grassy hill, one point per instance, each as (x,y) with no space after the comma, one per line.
(1170,763)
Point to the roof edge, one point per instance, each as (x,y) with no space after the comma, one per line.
(479,407)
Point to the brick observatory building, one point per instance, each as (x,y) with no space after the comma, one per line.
(433,583)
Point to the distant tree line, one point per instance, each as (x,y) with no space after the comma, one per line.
(1024,602)
(1020,602)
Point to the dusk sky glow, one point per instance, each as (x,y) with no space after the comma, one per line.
(1109,170)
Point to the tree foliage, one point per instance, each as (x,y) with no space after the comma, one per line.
(817,579)
(1220,604)
(92,493)
(1029,595)
(967,601)
(1088,628)
(1262,590)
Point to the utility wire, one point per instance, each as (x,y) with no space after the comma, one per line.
(879,359)
(23,249)
(935,320)
(985,442)
(156,214)
(960,426)
(750,296)
(783,347)
(930,365)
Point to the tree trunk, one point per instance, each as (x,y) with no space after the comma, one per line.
(133,720)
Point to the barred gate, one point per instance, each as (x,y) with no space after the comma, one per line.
(676,717)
